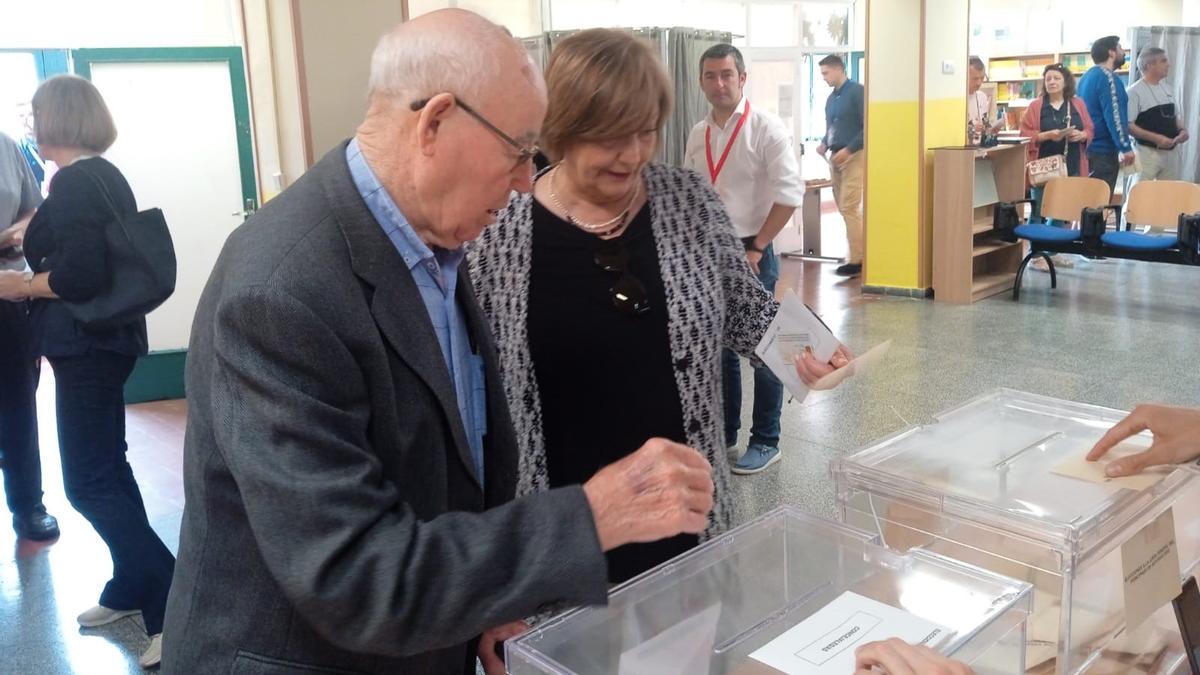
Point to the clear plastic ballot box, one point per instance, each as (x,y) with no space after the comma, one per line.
(787,593)
(1000,483)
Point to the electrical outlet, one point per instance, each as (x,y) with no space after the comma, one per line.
(947,67)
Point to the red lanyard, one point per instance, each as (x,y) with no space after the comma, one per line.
(714,171)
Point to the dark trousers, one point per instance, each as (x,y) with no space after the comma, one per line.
(1106,168)
(768,390)
(100,485)
(18,411)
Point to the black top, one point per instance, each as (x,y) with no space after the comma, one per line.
(1158,120)
(66,239)
(1057,119)
(605,377)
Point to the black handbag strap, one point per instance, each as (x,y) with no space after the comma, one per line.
(117,218)
(109,200)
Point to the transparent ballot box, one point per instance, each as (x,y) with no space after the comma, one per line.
(995,483)
(804,589)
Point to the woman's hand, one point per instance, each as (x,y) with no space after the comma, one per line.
(1176,438)
(14,286)
(810,370)
(1077,136)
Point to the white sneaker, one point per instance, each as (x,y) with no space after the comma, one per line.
(101,615)
(153,654)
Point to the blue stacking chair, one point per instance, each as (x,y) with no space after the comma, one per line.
(1156,203)
(1064,200)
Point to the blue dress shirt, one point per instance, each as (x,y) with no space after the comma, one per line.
(435,272)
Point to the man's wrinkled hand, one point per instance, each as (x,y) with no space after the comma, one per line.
(662,490)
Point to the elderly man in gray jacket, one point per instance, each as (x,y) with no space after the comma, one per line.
(349,463)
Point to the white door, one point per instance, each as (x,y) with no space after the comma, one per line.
(178,145)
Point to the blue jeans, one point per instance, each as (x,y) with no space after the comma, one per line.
(18,411)
(100,484)
(768,390)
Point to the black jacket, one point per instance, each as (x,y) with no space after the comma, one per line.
(334,523)
(66,239)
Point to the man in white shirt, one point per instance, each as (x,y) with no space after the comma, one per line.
(1155,119)
(979,104)
(747,155)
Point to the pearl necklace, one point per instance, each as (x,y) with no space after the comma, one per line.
(606,229)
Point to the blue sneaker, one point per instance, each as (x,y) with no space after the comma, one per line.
(757,458)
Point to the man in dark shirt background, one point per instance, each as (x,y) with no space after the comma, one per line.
(844,138)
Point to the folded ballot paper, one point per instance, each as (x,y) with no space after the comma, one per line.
(795,328)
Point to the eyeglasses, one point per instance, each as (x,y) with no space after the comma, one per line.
(627,293)
(524,154)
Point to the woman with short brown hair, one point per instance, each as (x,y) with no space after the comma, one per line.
(613,287)
(68,254)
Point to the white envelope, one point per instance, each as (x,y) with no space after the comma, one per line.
(794,328)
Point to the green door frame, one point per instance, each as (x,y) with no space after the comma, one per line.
(83,59)
(160,375)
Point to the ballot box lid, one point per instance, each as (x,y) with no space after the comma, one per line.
(1014,461)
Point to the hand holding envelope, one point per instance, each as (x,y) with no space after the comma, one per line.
(802,352)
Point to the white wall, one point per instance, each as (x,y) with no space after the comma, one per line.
(337,39)
(524,17)
(1063,25)
(1190,13)
(521,17)
(117,23)
(858,37)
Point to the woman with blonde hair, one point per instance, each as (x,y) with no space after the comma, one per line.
(614,285)
(67,252)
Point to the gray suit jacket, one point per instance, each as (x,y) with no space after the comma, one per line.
(334,522)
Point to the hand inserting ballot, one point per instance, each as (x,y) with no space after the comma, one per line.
(1176,439)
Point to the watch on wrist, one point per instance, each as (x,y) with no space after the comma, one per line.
(751,247)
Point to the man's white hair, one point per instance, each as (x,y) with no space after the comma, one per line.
(1149,57)
(417,63)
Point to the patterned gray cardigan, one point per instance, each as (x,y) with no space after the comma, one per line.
(713,301)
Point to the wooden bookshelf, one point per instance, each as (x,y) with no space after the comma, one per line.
(1018,78)
(969,262)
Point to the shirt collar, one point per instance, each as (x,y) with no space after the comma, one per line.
(380,204)
(737,112)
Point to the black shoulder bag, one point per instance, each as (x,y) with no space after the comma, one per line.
(141,268)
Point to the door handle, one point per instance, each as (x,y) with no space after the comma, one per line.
(251,207)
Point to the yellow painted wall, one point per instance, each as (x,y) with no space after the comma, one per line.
(893,143)
(912,107)
(893,188)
